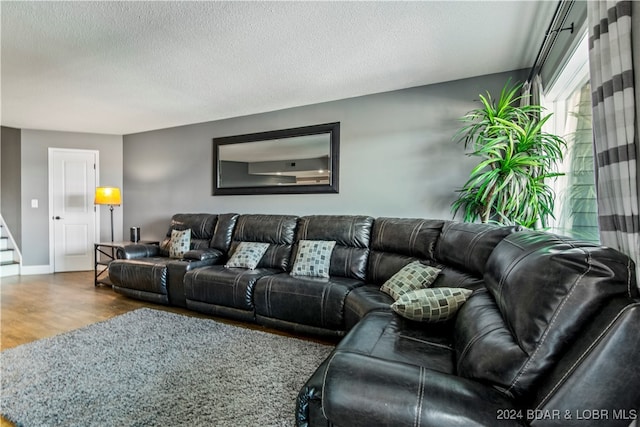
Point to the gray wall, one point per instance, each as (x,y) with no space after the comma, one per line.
(397,158)
(10,181)
(35,185)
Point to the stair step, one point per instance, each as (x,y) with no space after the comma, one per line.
(6,255)
(4,243)
(9,269)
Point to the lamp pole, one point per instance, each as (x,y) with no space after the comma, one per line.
(111,209)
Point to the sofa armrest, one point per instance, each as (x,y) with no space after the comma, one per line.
(176,269)
(309,401)
(359,390)
(209,254)
(137,251)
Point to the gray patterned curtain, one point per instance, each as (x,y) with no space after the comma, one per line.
(615,139)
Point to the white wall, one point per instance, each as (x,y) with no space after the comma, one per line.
(397,158)
(35,185)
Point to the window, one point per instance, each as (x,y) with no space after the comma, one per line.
(569,99)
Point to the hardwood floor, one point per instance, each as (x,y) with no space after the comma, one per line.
(40,306)
(35,307)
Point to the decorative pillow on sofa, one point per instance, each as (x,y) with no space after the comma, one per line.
(247,255)
(411,277)
(180,243)
(313,258)
(432,304)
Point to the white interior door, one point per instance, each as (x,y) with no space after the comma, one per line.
(73,218)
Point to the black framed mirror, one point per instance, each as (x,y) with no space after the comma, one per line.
(288,161)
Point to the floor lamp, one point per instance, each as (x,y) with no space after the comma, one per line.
(108,196)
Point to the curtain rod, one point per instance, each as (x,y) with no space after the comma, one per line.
(550,36)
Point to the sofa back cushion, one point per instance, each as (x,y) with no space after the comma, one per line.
(223,233)
(467,246)
(351,234)
(277,230)
(201,225)
(541,291)
(396,242)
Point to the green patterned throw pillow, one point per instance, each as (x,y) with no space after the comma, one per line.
(313,258)
(180,243)
(247,255)
(432,304)
(411,277)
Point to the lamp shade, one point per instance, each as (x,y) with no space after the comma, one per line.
(107,196)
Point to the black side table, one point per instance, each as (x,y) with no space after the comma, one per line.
(109,250)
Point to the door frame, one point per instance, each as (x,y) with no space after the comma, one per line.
(52,150)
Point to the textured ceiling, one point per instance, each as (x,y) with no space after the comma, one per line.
(126,67)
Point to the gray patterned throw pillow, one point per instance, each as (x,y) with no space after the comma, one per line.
(180,243)
(247,255)
(411,277)
(313,258)
(432,304)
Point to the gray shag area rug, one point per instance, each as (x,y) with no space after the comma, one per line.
(154,368)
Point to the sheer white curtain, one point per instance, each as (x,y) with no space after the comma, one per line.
(615,140)
(565,125)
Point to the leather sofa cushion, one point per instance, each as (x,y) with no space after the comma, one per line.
(396,242)
(352,236)
(387,336)
(542,290)
(391,371)
(312,301)
(346,230)
(498,357)
(209,254)
(451,277)
(221,286)
(383,265)
(363,391)
(201,225)
(142,274)
(223,232)
(138,250)
(467,246)
(176,271)
(414,238)
(277,230)
(363,300)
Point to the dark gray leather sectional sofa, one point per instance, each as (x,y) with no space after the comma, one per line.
(549,337)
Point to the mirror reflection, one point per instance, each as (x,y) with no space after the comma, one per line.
(300,160)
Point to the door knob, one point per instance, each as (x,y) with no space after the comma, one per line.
(56,217)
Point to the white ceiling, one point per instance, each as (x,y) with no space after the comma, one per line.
(126,67)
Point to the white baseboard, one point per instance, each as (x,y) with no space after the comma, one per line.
(26,270)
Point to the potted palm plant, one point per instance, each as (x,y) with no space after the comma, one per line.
(509,185)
